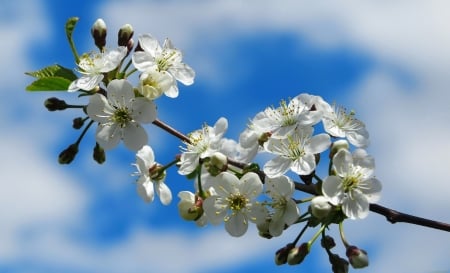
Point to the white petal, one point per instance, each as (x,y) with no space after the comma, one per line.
(96,108)
(188,163)
(318,144)
(134,136)
(304,165)
(143,61)
(220,127)
(277,166)
(149,44)
(332,189)
(88,82)
(225,184)
(215,209)
(342,161)
(144,110)
(113,58)
(356,207)
(291,212)
(120,93)
(164,193)
(250,185)
(371,188)
(237,224)
(276,225)
(108,136)
(146,156)
(183,73)
(145,191)
(281,185)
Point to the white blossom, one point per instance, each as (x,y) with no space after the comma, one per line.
(119,116)
(285,210)
(150,180)
(354,186)
(202,143)
(234,202)
(295,152)
(93,66)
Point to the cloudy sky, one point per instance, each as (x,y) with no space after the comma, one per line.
(389,61)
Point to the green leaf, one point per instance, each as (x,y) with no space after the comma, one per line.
(55,70)
(49,84)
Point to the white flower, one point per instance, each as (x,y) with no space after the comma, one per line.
(286,211)
(150,178)
(295,152)
(166,58)
(338,123)
(282,120)
(320,207)
(153,84)
(233,202)
(92,66)
(203,143)
(119,116)
(354,186)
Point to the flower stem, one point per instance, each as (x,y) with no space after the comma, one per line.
(84,132)
(300,234)
(341,233)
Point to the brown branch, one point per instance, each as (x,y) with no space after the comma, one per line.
(394,216)
(391,215)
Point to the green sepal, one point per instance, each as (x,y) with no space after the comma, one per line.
(51,78)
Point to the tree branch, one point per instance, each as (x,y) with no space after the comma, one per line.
(391,215)
(394,216)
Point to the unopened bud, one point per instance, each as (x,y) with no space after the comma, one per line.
(66,156)
(124,35)
(357,257)
(338,264)
(338,145)
(53,104)
(217,163)
(282,254)
(77,123)
(297,254)
(98,32)
(327,242)
(320,207)
(189,207)
(99,154)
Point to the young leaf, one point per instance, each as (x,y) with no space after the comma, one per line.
(53,71)
(51,78)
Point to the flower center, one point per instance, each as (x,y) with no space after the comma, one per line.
(350,183)
(165,61)
(121,116)
(237,201)
(288,114)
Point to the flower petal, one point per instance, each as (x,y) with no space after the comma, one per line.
(108,136)
(120,93)
(134,136)
(164,193)
(304,165)
(215,209)
(332,189)
(371,188)
(356,207)
(277,166)
(250,185)
(318,144)
(145,190)
(237,224)
(144,110)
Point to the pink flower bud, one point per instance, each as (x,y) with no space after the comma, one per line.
(357,257)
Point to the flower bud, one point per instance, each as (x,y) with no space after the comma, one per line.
(297,254)
(124,35)
(357,257)
(98,32)
(338,145)
(53,104)
(99,154)
(263,229)
(77,123)
(338,264)
(189,207)
(282,254)
(327,242)
(217,163)
(320,207)
(66,156)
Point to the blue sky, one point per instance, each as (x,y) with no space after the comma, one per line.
(388,61)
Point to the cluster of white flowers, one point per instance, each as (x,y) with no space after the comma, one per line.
(229,185)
